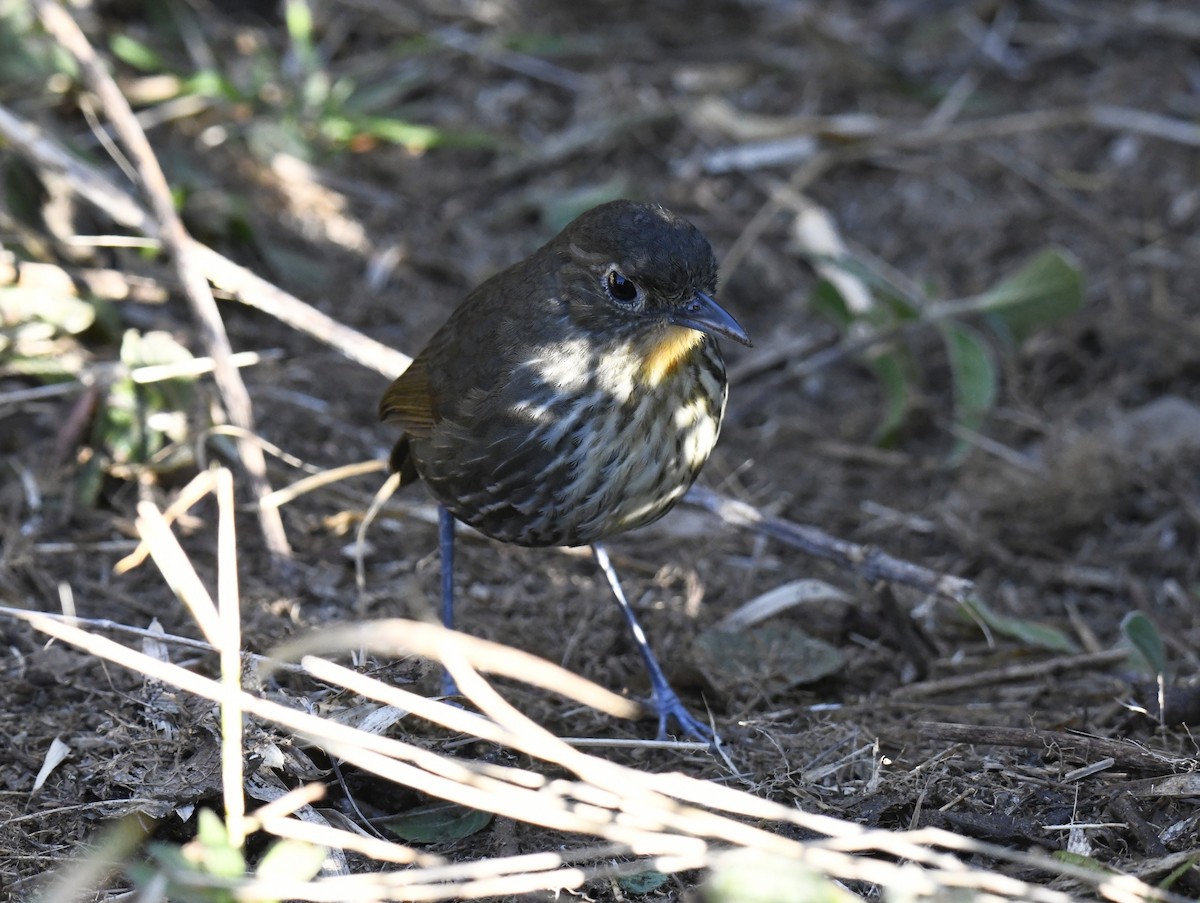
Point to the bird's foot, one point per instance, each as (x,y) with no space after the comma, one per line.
(671,711)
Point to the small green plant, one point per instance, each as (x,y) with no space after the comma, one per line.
(210,867)
(28,58)
(1046,289)
(439,821)
(142,416)
(291,98)
(1148,652)
(142,400)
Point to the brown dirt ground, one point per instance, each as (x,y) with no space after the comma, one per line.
(1104,520)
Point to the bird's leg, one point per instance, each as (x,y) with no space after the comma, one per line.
(665,701)
(446,548)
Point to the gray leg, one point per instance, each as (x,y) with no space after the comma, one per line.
(665,701)
(446,547)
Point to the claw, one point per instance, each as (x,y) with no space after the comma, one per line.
(670,709)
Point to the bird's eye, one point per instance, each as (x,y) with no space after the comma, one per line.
(623,290)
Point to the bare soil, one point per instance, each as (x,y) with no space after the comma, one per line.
(1079,503)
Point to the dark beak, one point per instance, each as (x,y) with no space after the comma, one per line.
(706,315)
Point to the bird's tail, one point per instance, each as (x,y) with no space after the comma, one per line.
(401,461)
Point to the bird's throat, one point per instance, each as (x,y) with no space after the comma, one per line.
(667,351)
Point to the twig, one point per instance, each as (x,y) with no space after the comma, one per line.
(233,391)
(1076,747)
(260,294)
(520,63)
(314,481)
(150,373)
(867,562)
(86,181)
(1126,808)
(994,676)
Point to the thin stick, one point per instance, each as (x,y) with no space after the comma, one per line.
(292,491)
(230,614)
(994,676)
(1079,747)
(180,246)
(867,562)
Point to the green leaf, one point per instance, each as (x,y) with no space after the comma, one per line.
(896,374)
(1179,871)
(438,823)
(137,419)
(747,876)
(976,383)
(891,363)
(1048,288)
(43,368)
(154,347)
(1041,636)
(119,429)
(65,312)
(89,482)
(211,83)
(827,301)
(189,871)
(415,138)
(1081,861)
(642,882)
(134,53)
(1146,641)
(299,20)
(291,860)
(217,856)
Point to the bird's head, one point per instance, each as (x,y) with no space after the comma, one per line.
(638,273)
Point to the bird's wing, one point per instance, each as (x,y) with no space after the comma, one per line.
(409,402)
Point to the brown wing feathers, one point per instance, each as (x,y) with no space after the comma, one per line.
(409,403)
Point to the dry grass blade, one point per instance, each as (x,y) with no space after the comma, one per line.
(177,569)
(230,647)
(673,818)
(399,636)
(197,488)
(293,491)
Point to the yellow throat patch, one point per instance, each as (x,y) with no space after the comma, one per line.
(666,353)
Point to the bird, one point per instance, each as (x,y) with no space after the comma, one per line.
(573,396)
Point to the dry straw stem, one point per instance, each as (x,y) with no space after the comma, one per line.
(151,373)
(197,488)
(229,613)
(398,636)
(312,482)
(221,623)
